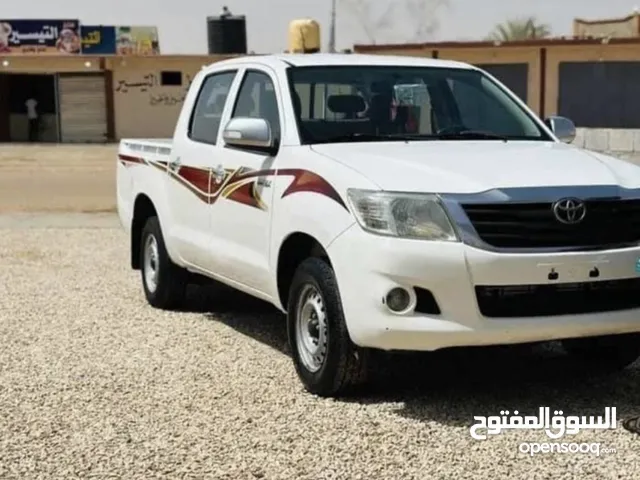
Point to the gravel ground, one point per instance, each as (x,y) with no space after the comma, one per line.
(94,383)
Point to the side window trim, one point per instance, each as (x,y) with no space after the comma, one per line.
(244,76)
(232,97)
(236,100)
(203,85)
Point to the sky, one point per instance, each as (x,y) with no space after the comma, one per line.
(182,23)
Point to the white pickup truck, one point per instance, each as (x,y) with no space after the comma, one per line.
(388,203)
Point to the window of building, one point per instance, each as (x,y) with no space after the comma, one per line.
(170,79)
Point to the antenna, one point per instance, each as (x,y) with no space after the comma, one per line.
(332,29)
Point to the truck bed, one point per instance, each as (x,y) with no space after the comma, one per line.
(152,146)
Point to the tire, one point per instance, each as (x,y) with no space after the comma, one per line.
(344,366)
(606,353)
(165,285)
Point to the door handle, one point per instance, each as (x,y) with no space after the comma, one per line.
(218,173)
(174,164)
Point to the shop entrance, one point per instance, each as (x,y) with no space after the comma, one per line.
(21,88)
(4,109)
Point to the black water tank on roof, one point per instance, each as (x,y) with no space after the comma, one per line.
(227,34)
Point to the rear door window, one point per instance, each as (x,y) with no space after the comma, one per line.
(207,114)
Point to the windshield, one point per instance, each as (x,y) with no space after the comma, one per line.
(354,103)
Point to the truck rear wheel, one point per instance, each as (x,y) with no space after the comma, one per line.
(325,358)
(608,353)
(164,282)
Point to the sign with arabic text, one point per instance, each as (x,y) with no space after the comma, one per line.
(137,41)
(98,40)
(39,37)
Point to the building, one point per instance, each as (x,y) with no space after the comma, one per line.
(128,89)
(91,83)
(595,82)
(611,27)
(62,65)
(95,99)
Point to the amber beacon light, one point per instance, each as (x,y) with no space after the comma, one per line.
(304,36)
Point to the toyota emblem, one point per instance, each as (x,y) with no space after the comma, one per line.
(569,211)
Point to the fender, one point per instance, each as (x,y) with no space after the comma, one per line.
(150,182)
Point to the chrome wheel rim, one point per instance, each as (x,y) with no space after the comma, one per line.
(151,263)
(311,329)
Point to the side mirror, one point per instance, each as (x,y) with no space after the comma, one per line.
(562,127)
(245,132)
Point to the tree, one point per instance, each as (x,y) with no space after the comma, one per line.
(519,29)
(418,18)
(423,18)
(372,23)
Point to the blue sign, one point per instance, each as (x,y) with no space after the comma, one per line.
(638,265)
(53,37)
(98,40)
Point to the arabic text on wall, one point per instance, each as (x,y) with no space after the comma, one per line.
(149,83)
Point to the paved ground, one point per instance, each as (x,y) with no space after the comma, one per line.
(96,384)
(57,178)
(59,220)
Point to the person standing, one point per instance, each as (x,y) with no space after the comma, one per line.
(32,115)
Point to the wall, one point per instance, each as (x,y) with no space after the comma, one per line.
(503,55)
(50,64)
(18,123)
(623,143)
(543,58)
(139,105)
(596,53)
(143,106)
(615,27)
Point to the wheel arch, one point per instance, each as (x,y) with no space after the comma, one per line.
(143,209)
(295,248)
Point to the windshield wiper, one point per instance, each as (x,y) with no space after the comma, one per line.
(470,135)
(407,137)
(365,137)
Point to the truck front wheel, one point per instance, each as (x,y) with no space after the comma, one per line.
(163,281)
(325,358)
(608,353)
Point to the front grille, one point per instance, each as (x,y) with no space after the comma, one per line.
(558,299)
(533,225)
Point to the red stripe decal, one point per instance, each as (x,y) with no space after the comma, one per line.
(198,181)
(197,177)
(306,181)
(247,195)
(131,159)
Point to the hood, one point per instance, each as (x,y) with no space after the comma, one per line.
(477,166)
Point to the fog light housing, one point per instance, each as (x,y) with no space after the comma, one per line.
(398,300)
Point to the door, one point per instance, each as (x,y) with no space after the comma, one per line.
(241,215)
(83,108)
(5,135)
(188,175)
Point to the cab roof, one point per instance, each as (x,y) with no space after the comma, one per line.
(345,59)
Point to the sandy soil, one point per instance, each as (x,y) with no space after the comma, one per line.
(96,384)
(57,178)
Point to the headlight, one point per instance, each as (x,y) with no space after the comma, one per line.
(403,215)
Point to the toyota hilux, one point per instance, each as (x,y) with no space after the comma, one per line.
(386,203)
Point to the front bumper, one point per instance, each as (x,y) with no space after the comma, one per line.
(367,266)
